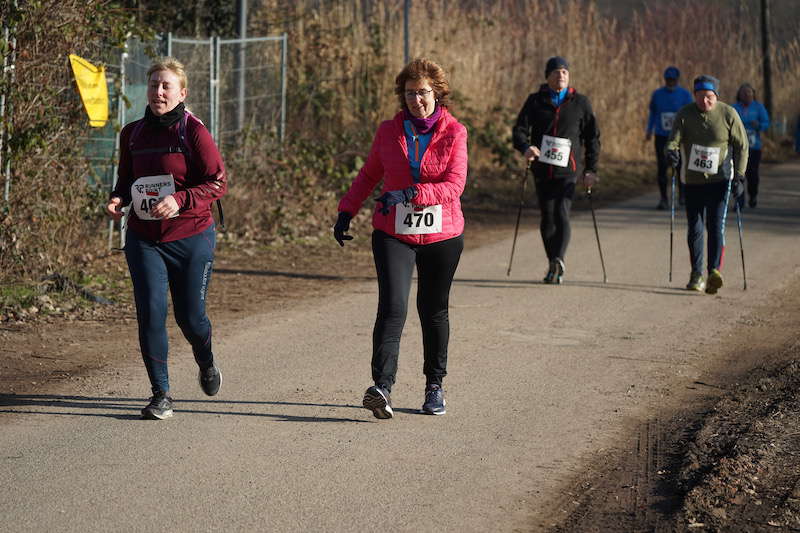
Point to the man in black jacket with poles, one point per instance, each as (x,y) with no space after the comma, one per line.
(555,130)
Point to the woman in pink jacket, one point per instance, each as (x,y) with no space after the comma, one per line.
(421,156)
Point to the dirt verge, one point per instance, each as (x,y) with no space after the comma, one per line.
(728,463)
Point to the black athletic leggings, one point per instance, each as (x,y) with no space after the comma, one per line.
(555,201)
(436,265)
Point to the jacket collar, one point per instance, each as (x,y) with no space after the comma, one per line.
(544,92)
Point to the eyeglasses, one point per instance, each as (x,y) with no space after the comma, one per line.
(422,93)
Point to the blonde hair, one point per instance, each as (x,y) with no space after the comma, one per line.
(171,64)
(423,69)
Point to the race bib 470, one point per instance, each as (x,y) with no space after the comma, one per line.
(415,220)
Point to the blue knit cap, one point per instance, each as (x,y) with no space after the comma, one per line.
(706,83)
(672,73)
(555,63)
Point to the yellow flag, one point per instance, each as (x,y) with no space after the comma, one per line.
(91,82)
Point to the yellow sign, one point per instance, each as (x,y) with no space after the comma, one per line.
(91,82)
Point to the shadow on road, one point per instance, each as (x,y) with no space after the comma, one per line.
(632,287)
(295,275)
(128,408)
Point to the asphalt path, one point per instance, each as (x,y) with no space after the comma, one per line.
(540,378)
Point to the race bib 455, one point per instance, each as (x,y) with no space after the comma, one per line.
(555,151)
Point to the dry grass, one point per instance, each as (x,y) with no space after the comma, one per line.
(495,54)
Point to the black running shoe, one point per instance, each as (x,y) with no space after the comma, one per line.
(550,277)
(377,400)
(159,408)
(560,268)
(662,204)
(210,379)
(434,400)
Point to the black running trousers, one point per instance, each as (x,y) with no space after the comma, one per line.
(555,201)
(394,263)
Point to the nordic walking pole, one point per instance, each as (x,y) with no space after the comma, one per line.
(597,234)
(671,220)
(741,245)
(519,215)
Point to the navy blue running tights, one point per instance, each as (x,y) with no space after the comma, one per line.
(182,268)
(709,202)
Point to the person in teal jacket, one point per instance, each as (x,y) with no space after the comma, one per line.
(755,119)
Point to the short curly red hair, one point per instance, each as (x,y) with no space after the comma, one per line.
(423,69)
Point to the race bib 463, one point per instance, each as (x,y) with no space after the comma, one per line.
(704,159)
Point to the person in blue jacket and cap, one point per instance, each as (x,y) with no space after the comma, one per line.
(755,119)
(665,102)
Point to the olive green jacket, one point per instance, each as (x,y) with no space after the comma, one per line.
(720,127)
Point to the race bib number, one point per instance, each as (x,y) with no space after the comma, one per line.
(751,137)
(147,191)
(666,121)
(414,220)
(704,159)
(555,151)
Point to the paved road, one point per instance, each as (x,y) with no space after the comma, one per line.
(540,376)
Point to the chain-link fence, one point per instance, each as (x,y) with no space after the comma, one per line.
(235,84)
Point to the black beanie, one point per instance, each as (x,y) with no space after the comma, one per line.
(555,63)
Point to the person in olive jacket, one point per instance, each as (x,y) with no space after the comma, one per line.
(709,142)
(557,133)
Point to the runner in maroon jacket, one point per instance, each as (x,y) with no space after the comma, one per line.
(420,156)
(170,173)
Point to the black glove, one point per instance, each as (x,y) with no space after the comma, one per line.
(673,158)
(737,187)
(341,227)
(390,198)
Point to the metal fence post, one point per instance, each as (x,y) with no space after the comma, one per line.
(241,61)
(115,157)
(213,85)
(285,45)
(7,106)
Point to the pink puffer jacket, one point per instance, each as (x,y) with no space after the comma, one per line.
(443,174)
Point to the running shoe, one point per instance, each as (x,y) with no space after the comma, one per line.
(753,202)
(696,282)
(434,400)
(210,380)
(662,204)
(714,281)
(377,400)
(560,268)
(159,408)
(551,273)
